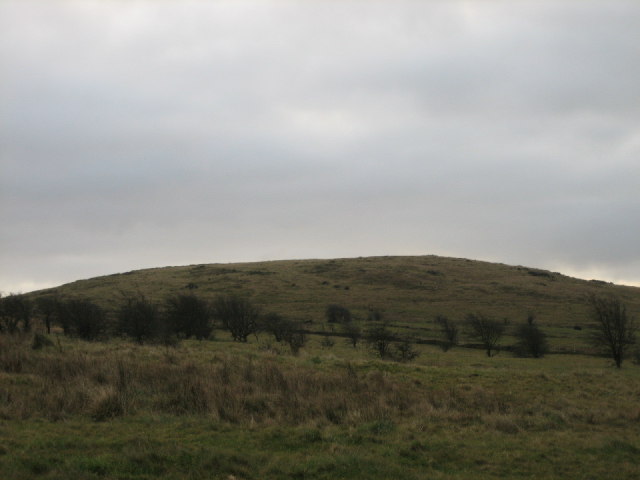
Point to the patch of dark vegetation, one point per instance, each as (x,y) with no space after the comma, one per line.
(260,272)
(224,271)
(541,273)
(40,341)
(330,266)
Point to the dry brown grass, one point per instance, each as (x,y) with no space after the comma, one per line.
(105,382)
(245,385)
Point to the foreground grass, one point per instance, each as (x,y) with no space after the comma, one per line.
(224,410)
(195,447)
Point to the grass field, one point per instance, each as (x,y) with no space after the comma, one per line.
(219,409)
(231,410)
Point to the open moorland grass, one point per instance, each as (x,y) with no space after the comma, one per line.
(220,409)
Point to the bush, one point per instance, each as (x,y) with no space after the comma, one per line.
(188,316)
(82,318)
(405,352)
(139,319)
(379,339)
(15,310)
(337,314)
(531,340)
(327,342)
(40,341)
(296,341)
(352,332)
(448,331)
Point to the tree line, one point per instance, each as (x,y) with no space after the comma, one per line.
(185,316)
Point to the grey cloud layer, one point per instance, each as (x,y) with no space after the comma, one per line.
(159,133)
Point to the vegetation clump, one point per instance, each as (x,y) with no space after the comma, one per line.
(531,341)
(448,332)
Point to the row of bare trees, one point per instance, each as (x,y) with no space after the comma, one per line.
(188,316)
(531,341)
(614,332)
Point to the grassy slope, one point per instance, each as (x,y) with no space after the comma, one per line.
(409,290)
(223,410)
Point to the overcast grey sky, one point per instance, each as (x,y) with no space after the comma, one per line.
(140,134)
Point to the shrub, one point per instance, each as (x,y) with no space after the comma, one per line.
(531,340)
(82,318)
(296,340)
(40,341)
(352,332)
(405,352)
(139,319)
(337,314)
(327,342)
(448,332)
(379,339)
(15,310)
(188,316)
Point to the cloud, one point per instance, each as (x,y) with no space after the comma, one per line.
(145,134)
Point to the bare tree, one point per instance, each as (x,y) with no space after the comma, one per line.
(238,315)
(448,331)
(276,325)
(486,330)
(352,332)
(615,330)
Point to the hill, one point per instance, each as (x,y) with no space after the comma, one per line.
(409,291)
(222,409)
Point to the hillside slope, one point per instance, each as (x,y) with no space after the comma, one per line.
(410,291)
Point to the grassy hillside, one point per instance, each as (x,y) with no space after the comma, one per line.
(410,291)
(225,410)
